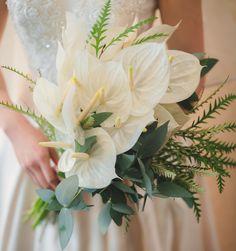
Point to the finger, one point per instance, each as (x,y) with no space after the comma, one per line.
(49,173)
(39,175)
(53,155)
(32,173)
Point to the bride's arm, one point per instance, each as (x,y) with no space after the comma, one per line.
(189,35)
(24,137)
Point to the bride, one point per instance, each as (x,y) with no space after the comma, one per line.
(165,224)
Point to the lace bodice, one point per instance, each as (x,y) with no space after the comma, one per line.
(39,24)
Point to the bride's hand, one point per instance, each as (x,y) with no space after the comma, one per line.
(33,158)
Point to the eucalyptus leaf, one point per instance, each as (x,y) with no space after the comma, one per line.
(171,189)
(189,202)
(104,218)
(124,188)
(99,118)
(78,203)
(124,162)
(122,208)
(208,64)
(65,224)
(54,205)
(116,217)
(153,141)
(66,190)
(45,194)
(146,179)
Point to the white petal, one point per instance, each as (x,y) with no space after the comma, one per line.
(180,117)
(185,72)
(127,135)
(150,75)
(168,30)
(46,96)
(93,75)
(70,115)
(75,35)
(99,170)
(66,162)
(162,116)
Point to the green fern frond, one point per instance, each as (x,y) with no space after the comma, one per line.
(129,30)
(197,208)
(220,183)
(127,223)
(226,127)
(161,170)
(20,73)
(188,182)
(43,124)
(208,99)
(219,104)
(149,38)
(100,27)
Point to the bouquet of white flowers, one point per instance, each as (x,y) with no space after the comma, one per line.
(114,116)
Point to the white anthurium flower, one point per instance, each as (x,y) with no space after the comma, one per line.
(47,97)
(180,117)
(185,71)
(147,66)
(49,100)
(126,134)
(70,113)
(164,29)
(162,116)
(76,33)
(95,169)
(104,88)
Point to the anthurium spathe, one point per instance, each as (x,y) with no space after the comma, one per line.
(96,167)
(147,68)
(104,87)
(185,70)
(48,99)
(125,134)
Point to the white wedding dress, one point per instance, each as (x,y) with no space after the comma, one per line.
(166,225)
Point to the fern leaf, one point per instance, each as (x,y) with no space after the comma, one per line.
(149,38)
(220,183)
(197,208)
(129,30)
(43,124)
(208,99)
(20,73)
(219,104)
(100,27)
(161,170)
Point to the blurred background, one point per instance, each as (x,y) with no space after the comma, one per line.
(219,18)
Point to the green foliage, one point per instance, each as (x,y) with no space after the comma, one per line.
(149,38)
(129,30)
(151,142)
(89,143)
(97,34)
(208,64)
(65,222)
(42,123)
(20,73)
(104,218)
(67,190)
(220,103)
(45,194)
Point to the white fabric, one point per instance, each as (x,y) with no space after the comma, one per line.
(166,225)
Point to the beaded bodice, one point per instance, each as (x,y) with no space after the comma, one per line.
(39,23)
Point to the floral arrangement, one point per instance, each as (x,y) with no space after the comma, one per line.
(115,118)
